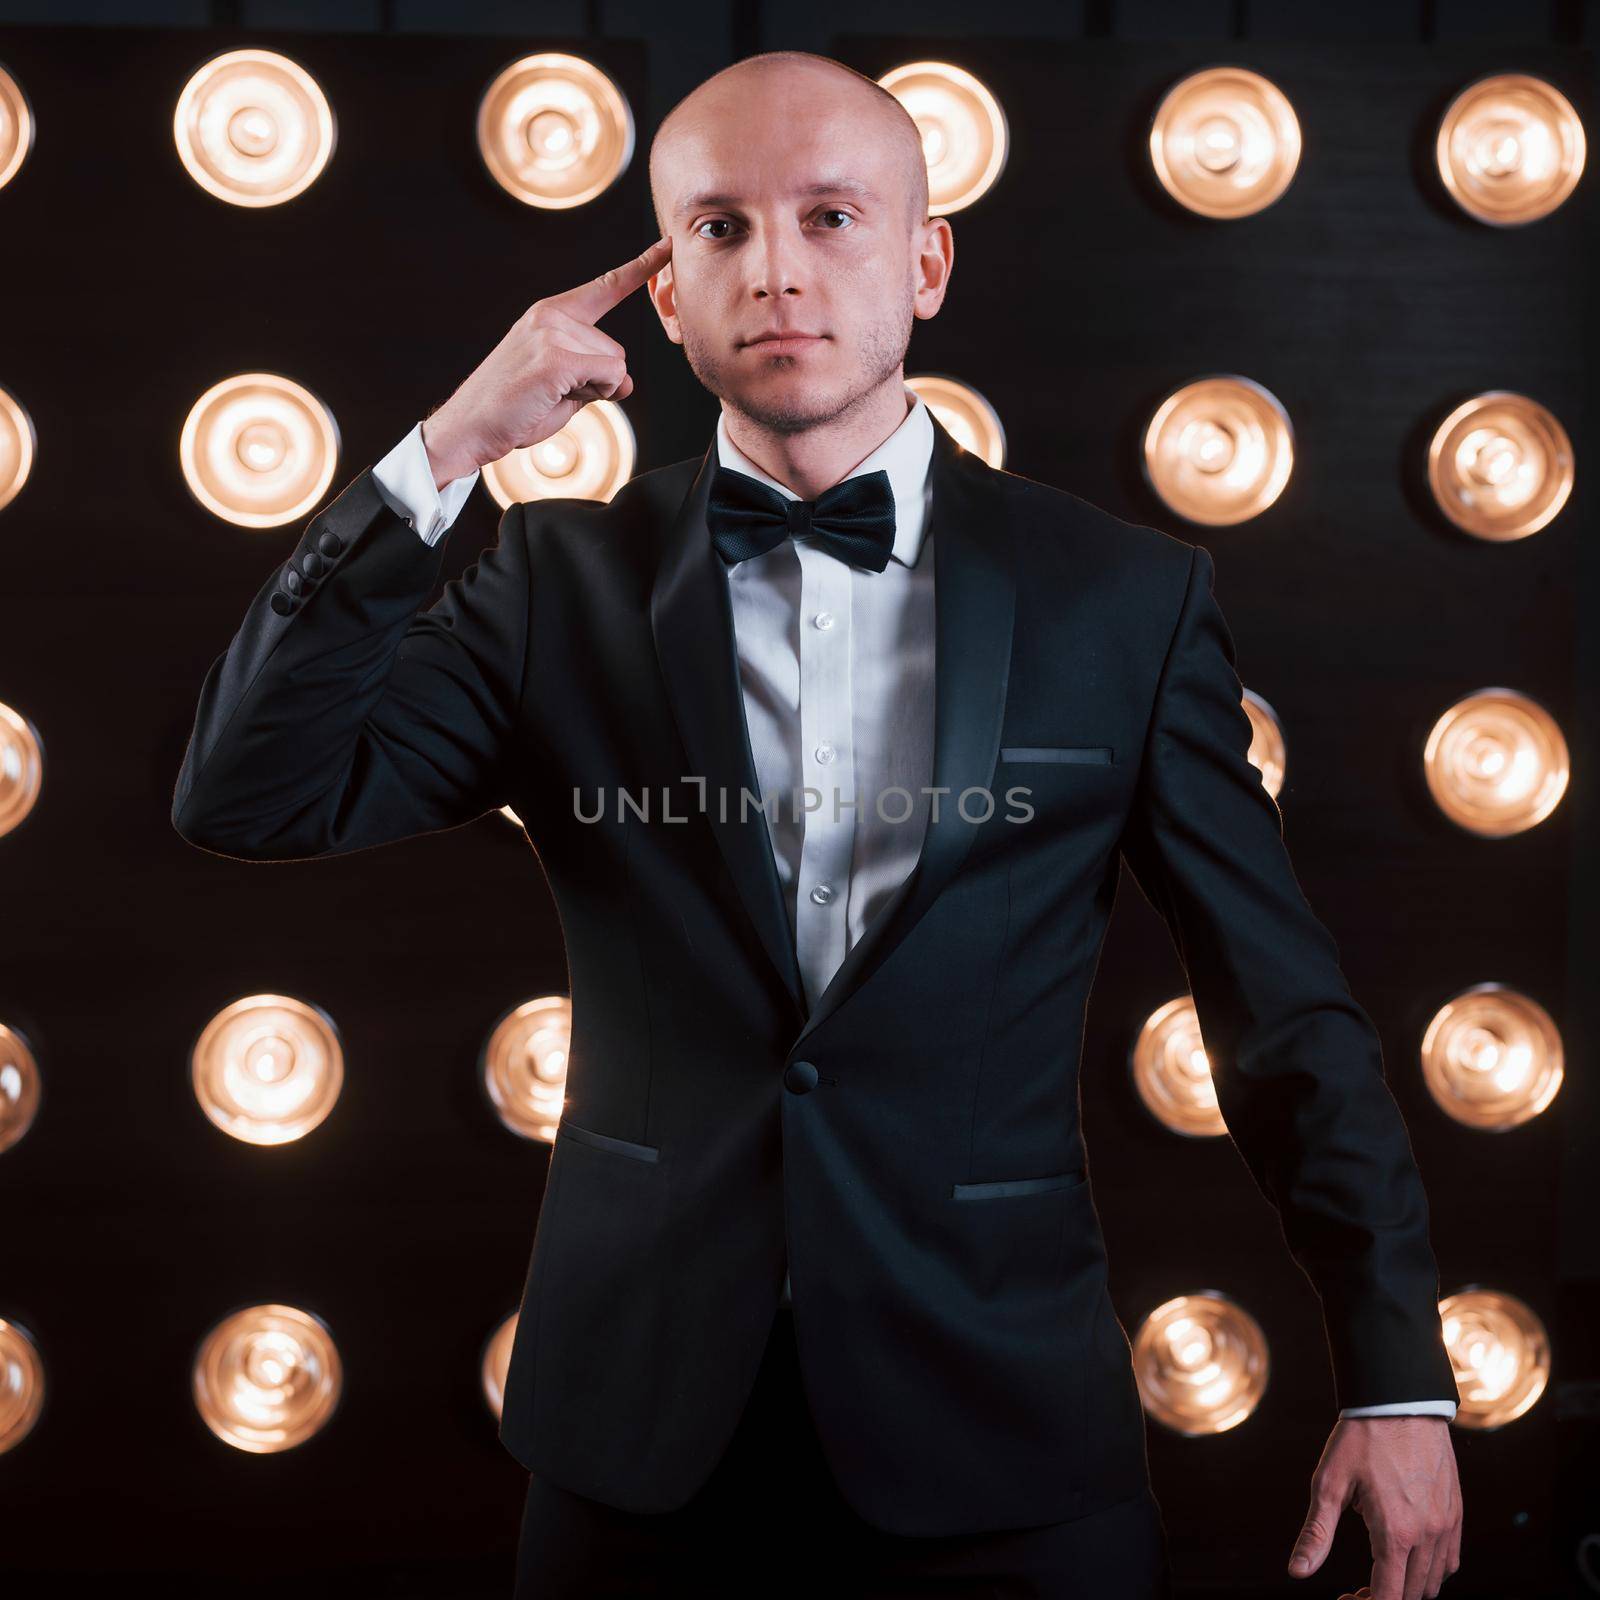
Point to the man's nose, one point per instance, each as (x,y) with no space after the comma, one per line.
(776,265)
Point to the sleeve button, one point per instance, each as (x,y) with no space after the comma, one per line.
(329,543)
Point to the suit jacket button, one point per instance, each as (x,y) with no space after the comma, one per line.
(311,564)
(800,1077)
(292,581)
(281,603)
(329,543)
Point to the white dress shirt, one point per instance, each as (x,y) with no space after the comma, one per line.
(836,668)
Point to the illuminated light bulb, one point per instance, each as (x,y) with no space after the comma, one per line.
(1266,752)
(554,131)
(21,768)
(1510,149)
(259,450)
(1496,763)
(21,1384)
(496,1363)
(1500,1352)
(964,413)
(1500,466)
(267,1377)
(1219,450)
(20,1086)
(1201,1363)
(268,1068)
(1492,1058)
(589,459)
(253,128)
(524,1066)
(964,134)
(18,446)
(1172,1073)
(1225,142)
(16,128)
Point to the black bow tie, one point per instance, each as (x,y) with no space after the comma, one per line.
(853,520)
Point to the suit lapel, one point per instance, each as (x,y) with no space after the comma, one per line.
(974,598)
(691,617)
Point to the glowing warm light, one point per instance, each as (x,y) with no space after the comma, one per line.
(1496,763)
(259,450)
(965,414)
(1501,1355)
(1266,752)
(964,134)
(16,127)
(1172,1073)
(1492,1058)
(496,1363)
(1219,450)
(267,1377)
(524,1066)
(554,131)
(21,768)
(1510,149)
(21,1384)
(1500,465)
(253,128)
(1201,1362)
(267,1069)
(18,445)
(589,459)
(1225,142)
(20,1085)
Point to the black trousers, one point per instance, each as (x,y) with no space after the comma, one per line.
(771,1520)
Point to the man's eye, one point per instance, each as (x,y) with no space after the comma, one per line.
(723,222)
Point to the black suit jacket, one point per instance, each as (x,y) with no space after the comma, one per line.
(912,1146)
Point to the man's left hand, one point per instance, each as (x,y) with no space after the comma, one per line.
(1400,1473)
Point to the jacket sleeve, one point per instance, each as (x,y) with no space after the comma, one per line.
(339,717)
(1296,1061)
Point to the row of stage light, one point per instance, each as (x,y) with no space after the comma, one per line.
(254,128)
(259,450)
(267,1377)
(268,1069)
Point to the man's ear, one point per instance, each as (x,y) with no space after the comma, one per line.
(663,296)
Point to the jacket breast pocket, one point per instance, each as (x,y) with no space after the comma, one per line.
(605,1141)
(1099,755)
(1003,1187)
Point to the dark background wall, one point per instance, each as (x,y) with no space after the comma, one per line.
(1363,300)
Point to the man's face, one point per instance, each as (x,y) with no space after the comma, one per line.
(787,212)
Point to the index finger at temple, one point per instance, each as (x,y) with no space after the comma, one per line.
(593,299)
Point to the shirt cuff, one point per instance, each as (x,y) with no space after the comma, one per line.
(1401,1408)
(405,480)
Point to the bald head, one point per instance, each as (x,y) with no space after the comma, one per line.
(784,84)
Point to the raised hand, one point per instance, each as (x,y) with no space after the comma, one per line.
(551,363)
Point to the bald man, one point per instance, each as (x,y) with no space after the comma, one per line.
(818,1297)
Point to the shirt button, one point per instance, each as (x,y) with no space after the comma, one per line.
(822,894)
(824,753)
(823,619)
